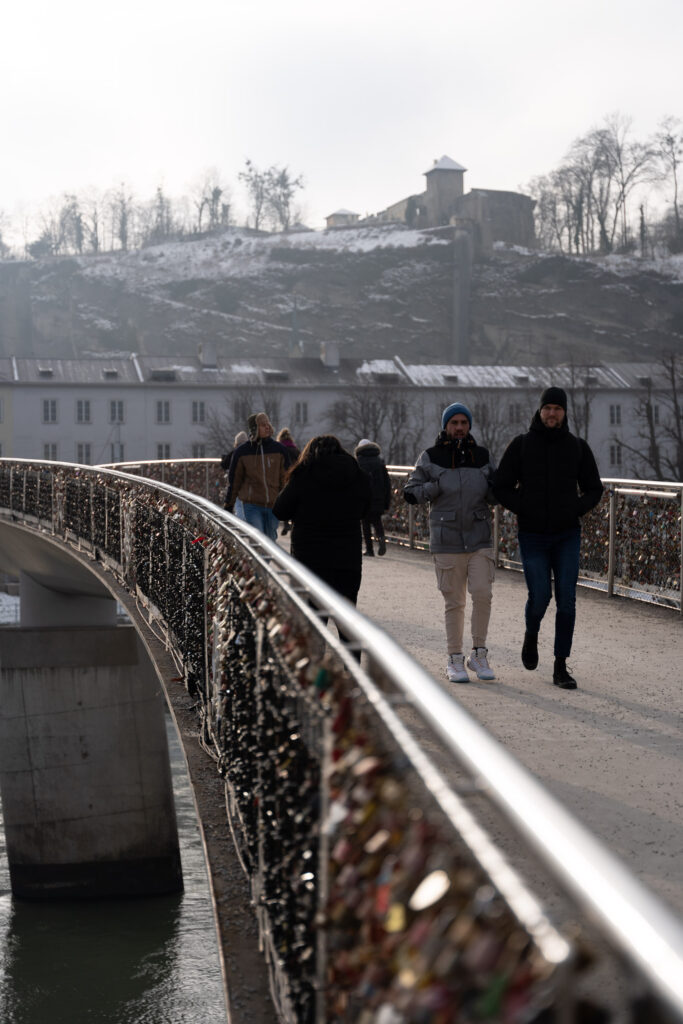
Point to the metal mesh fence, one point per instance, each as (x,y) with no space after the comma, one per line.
(372,899)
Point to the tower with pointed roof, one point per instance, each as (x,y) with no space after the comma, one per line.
(445,185)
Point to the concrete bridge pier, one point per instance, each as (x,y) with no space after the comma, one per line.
(84,768)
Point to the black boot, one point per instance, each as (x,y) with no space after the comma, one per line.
(530,651)
(369,552)
(382,547)
(561,677)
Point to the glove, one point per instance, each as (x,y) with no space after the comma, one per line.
(410,497)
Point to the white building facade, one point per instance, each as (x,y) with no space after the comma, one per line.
(127,408)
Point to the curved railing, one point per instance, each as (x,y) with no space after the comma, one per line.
(631,545)
(377,889)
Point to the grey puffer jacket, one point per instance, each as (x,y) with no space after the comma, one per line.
(455,478)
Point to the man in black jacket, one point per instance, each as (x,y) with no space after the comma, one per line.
(549,479)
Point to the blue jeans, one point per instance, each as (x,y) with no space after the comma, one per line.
(541,553)
(262,518)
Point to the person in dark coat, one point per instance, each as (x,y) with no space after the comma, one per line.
(369,456)
(226,459)
(287,441)
(549,479)
(326,495)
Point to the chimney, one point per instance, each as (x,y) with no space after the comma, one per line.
(329,354)
(208,358)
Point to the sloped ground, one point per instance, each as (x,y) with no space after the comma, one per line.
(532,306)
(376,292)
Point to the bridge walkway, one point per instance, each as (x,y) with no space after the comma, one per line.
(611,750)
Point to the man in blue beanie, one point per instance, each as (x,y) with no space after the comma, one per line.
(454,477)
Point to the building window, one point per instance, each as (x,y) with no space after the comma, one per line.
(116,452)
(83,410)
(198,412)
(163,412)
(83,454)
(198,451)
(301,413)
(116,411)
(49,410)
(655,415)
(50,451)
(615,455)
(615,415)
(163,451)
(241,408)
(515,412)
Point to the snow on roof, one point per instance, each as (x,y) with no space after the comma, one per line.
(445,164)
(468,378)
(343,212)
(379,368)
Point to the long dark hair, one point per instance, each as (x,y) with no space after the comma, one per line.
(317,448)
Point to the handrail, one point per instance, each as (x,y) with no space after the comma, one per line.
(636,923)
(617,568)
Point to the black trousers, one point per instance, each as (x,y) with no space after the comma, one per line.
(373,522)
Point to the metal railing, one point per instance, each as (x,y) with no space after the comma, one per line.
(377,889)
(631,543)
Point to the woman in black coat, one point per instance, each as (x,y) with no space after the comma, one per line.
(326,495)
(370,460)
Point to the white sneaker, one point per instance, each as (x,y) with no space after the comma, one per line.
(457,673)
(477,661)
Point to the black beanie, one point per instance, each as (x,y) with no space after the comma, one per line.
(554,396)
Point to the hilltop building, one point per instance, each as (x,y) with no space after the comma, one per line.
(342,219)
(486,215)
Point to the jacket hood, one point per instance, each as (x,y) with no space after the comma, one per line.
(367,448)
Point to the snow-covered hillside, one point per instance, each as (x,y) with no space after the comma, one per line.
(376,292)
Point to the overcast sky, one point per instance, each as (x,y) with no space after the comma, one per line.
(360,97)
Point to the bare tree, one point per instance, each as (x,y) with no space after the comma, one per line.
(281,191)
(497,418)
(668,144)
(256,183)
(657,450)
(271,194)
(121,211)
(5,250)
(390,416)
(583,206)
(211,201)
(223,424)
(92,220)
(580,397)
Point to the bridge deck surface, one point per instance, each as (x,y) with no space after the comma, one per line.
(610,751)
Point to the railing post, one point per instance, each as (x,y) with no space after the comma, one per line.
(496,535)
(612,537)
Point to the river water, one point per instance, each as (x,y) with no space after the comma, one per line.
(116,962)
